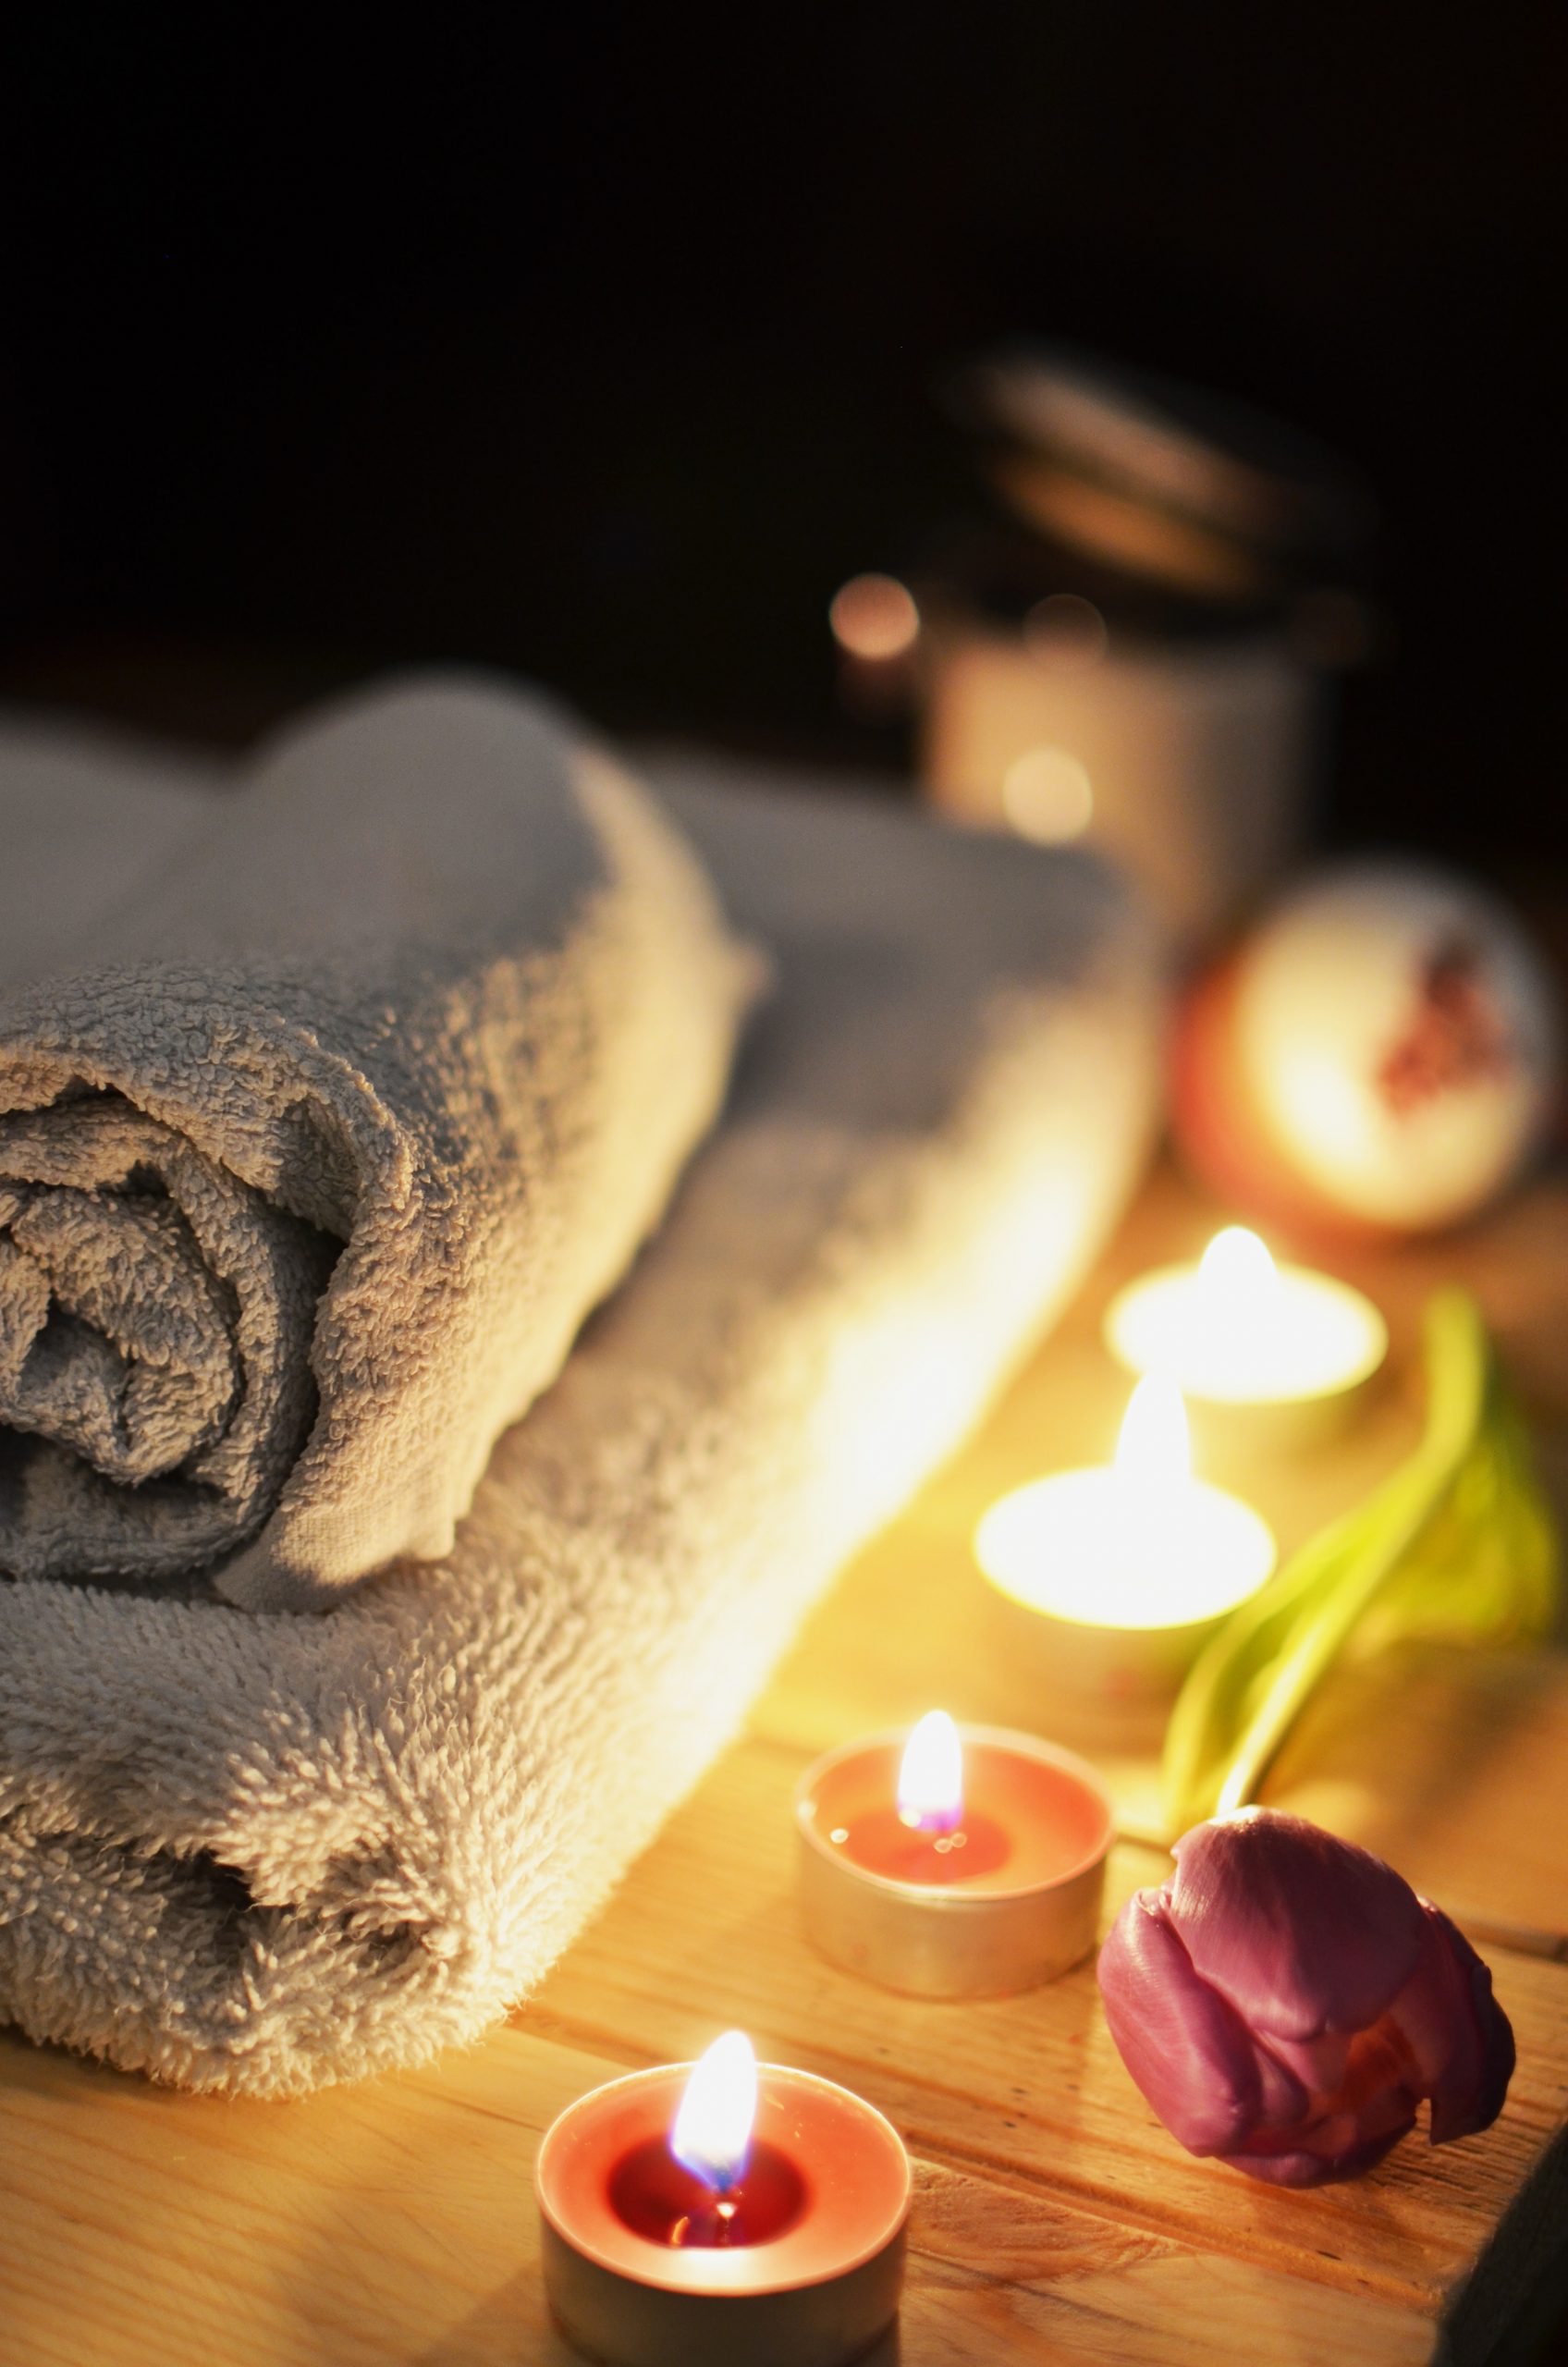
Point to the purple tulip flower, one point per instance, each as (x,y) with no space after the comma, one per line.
(1286,2002)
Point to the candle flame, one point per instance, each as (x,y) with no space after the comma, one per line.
(712,2135)
(1237,1277)
(1154,1450)
(931,1776)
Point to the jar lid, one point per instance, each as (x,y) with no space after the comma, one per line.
(1156,480)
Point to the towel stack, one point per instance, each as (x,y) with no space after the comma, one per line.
(333,1102)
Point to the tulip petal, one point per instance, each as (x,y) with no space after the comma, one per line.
(1461,2039)
(1187,2051)
(1282,2098)
(1322,2063)
(1306,2169)
(1287,2003)
(1301,1933)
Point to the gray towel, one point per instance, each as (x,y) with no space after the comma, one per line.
(318,1143)
(262,1852)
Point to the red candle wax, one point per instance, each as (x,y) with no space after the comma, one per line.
(658,2197)
(1029,1815)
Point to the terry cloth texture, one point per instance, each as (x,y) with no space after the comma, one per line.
(258,1852)
(426,1018)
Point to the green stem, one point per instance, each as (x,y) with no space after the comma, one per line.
(1458,1361)
(1249,1685)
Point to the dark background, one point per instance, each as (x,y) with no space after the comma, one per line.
(599,341)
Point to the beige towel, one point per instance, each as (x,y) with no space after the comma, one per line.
(318,1140)
(261,1852)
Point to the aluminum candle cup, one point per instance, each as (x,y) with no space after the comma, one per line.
(999,1897)
(1117,1575)
(1268,1357)
(794,2258)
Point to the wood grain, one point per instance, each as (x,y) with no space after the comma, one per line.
(1031,2086)
(396,2223)
(1054,2220)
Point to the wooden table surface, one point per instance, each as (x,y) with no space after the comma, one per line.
(1054,2219)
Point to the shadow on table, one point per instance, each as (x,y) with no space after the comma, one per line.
(509,2325)
(506,2327)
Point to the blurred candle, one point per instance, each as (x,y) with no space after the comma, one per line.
(1286,1349)
(1125,1567)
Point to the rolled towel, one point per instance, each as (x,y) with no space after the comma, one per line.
(257,1854)
(316,1152)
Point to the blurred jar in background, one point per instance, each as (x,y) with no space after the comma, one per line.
(1134,643)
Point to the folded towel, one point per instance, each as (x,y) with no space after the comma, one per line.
(263,1852)
(420,1025)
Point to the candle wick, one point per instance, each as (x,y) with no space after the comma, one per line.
(938,1823)
(725,2211)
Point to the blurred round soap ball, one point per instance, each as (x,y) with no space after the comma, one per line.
(1379,1055)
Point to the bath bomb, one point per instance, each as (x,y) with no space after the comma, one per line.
(1380,1054)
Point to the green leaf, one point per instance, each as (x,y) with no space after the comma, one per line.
(1458,1542)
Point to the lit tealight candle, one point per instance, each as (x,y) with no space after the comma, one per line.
(706,2213)
(953,1862)
(1290,1346)
(1127,1566)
